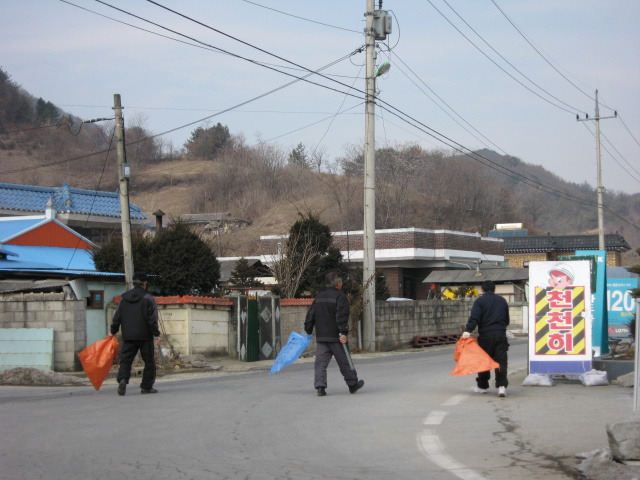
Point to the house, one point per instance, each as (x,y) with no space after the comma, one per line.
(407,255)
(521,248)
(48,283)
(93,214)
(263,272)
(214,222)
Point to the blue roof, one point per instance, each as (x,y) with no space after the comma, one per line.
(49,258)
(65,199)
(5,252)
(11,226)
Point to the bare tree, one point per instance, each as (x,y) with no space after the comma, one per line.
(292,262)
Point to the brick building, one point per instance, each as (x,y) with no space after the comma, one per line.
(407,255)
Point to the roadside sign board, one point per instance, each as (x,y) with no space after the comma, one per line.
(620,305)
(560,322)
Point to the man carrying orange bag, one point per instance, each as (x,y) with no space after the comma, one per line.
(137,314)
(490,313)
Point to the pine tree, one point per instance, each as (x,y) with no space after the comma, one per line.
(243,275)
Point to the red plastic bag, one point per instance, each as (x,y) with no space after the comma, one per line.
(97,359)
(471,358)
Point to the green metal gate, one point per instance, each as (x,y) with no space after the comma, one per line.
(253,331)
(258,327)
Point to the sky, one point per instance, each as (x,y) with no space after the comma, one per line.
(508,76)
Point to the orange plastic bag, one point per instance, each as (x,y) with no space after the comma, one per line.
(471,358)
(97,359)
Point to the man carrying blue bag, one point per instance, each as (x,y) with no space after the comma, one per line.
(329,314)
(296,344)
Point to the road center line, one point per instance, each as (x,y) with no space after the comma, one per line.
(430,445)
(435,417)
(454,400)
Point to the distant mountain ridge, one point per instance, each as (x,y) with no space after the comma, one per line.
(42,145)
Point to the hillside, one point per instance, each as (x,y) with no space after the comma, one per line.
(270,188)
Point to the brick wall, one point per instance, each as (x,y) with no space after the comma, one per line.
(67,317)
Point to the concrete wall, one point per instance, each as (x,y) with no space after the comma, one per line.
(292,319)
(398,322)
(192,328)
(58,311)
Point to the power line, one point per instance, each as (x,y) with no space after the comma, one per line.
(625,126)
(246,44)
(612,156)
(300,18)
(499,168)
(466,151)
(448,106)
(255,62)
(501,68)
(503,58)
(204,47)
(543,56)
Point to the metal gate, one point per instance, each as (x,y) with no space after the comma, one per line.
(258,327)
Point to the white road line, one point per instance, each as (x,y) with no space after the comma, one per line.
(430,445)
(454,400)
(435,417)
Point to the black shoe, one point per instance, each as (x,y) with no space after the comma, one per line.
(148,390)
(356,387)
(321,391)
(122,387)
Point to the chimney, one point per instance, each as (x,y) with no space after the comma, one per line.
(159,214)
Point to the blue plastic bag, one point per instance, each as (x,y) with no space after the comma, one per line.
(296,344)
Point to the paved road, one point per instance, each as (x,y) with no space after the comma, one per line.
(410,421)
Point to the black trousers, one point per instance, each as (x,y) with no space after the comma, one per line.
(324,352)
(128,353)
(496,346)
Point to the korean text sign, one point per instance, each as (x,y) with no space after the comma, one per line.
(560,318)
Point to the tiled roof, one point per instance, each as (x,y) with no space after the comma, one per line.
(563,243)
(190,299)
(289,302)
(28,198)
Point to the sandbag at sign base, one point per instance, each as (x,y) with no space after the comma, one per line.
(594,378)
(537,380)
(471,358)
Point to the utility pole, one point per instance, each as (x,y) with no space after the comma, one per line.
(378,25)
(369,259)
(123,177)
(597,119)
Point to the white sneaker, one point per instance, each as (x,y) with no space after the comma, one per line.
(502,391)
(480,390)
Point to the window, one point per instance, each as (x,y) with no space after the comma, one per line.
(95,300)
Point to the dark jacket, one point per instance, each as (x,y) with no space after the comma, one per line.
(490,313)
(329,313)
(137,313)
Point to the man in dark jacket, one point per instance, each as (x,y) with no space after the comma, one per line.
(490,313)
(137,314)
(329,314)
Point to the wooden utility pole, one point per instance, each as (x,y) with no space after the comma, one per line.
(123,177)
